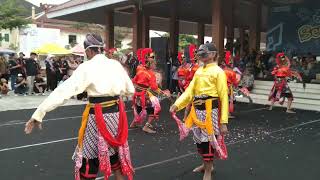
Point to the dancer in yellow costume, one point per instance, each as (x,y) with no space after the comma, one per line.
(208,93)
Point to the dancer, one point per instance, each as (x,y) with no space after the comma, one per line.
(231,79)
(190,69)
(145,103)
(280,89)
(102,141)
(182,73)
(208,93)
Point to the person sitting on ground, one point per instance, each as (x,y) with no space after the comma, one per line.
(21,85)
(39,85)
(4,88)
(247,80)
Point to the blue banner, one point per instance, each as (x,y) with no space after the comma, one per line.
(294,29)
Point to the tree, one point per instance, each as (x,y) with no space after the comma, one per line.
(11,15)
(184,40)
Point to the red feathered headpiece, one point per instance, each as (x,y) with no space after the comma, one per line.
(112,50)
(192,49)
(279,61)
(227,58)
(145,52)
(180,57)
(139,51)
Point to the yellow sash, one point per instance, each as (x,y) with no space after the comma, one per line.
(192,119)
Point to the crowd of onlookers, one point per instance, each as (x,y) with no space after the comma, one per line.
(28,76)
(261,64)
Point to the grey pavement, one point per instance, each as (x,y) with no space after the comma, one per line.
(12,102)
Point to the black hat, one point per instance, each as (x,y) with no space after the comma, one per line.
(33,53)
(208,47)
(93,40)
(205,49)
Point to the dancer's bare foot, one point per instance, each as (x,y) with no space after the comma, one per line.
(148,130)
(200,169)
(290,111)
(270,108)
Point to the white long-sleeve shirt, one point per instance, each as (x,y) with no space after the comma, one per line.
(99,77)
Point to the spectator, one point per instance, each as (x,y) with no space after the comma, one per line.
(58,72)
(39,85)
(4,68)
(63,68)
(32,69)
(174,81)
(51,73)
(21,85)
(15,69)
(73,65)
(21,61)
(247,80)
(4,88)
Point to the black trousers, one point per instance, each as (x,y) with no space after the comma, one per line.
(52,81)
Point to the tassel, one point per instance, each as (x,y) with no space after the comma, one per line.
(104,158)
(220,147)
(183,130)
(78,163)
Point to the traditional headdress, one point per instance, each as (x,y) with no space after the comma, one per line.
(227,58)
(180,57)
(93,40)
(283,68)
(192,50)
(143,55)
(282,60)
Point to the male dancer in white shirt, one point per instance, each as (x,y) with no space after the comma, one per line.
(102,142)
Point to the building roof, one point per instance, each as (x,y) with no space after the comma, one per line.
(41,20)
(68,4)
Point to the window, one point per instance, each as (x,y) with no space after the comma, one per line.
(72,39)
(6,37)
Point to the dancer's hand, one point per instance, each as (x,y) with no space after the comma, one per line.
(173,109)
(167,93)
(31,124)
(223,129)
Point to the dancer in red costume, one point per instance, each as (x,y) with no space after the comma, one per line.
(186,73)
(280,89)
(231,80)
(102,142)
(145,103)
(110,53)
(182,72)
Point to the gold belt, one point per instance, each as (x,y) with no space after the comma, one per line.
(105,104)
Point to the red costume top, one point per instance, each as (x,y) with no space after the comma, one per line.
(192,71)
(185,72)
(231,75)
(145,78)
(182,74)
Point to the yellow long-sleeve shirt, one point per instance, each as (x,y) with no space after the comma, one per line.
(211,81)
